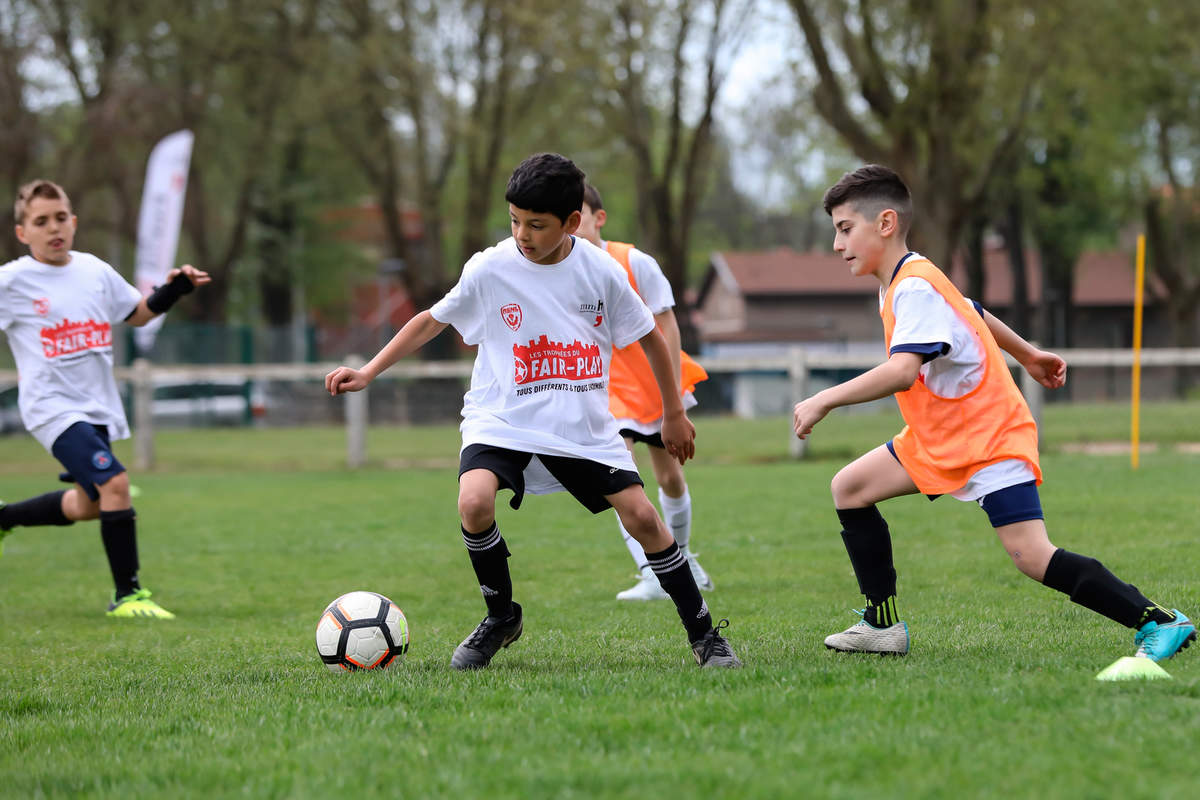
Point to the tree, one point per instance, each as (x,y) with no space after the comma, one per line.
(437,90)
(940,91)
(658,67)
(22,127)
(1168,81)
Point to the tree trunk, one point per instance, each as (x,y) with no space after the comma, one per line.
(973,256)
(1015,240)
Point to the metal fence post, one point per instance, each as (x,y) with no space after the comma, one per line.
(143,415)
(356,423)
(798,377)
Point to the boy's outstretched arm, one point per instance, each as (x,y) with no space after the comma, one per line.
(415,333)
(669,326)
(678,432)
(179,282)
(894,375)
(1048,369)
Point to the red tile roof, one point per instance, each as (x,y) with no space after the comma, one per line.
(1101,278)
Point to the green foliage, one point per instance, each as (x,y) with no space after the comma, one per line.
(598,699)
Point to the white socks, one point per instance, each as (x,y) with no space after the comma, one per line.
(677,513)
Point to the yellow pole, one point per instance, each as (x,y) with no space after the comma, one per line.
(1139,283)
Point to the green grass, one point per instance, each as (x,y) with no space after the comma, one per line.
(247,534)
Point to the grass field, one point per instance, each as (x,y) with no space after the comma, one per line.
(247,534)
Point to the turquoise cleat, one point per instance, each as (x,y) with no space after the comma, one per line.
(1158,642)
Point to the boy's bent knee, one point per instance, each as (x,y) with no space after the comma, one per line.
(477,510)
(1032,565)
(846,489)
(78,507)
(114,493)
(641,521)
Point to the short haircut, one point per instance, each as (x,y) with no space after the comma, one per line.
(37,188)
(869,190)
(547,183)
(592,197)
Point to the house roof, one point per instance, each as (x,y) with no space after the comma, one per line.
(1101,278)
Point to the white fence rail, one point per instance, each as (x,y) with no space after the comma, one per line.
(797,363)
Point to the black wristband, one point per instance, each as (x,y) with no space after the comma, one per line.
(163,297)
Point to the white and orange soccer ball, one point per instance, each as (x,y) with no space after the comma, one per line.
(361,630)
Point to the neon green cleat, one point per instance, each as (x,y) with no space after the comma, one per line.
(138,604)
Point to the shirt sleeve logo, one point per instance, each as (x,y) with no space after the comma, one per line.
(511,314)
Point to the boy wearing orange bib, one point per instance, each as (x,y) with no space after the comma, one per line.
(968,431)
(634,400)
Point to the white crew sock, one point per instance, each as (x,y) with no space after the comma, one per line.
(634,547)
(677,513)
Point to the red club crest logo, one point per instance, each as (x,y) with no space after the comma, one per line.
(511,313)
(42,306)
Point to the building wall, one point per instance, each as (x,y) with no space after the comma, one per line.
(823,319)
(723,312)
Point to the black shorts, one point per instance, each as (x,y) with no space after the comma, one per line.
(651,439)
(587,481)
(84,450)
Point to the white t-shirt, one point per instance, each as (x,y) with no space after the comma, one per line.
(954,366)
(59,325)
(545,336)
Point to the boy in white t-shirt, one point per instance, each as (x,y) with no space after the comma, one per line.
(546,308)
(968,431)
(58,307)
(634,399)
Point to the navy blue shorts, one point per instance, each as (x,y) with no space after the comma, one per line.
(651,439)
(587,481)
(84,451)
(1018,503)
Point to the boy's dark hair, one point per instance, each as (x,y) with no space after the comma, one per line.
(869,190)
(37,188)
(592,197)
(547,183)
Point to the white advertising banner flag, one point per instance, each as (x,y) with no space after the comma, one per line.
(159,221)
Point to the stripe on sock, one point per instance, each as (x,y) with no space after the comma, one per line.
(482,541)
(672,560)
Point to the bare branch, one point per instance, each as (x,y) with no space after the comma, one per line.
(828,95)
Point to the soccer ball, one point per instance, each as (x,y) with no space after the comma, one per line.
(361,630)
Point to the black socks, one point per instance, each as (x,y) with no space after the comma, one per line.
(118,530)
(45,509)
(489,556)
(1087,582)
(675,575)
(869,545)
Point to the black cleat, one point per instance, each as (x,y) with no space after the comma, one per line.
(713,650)
(485,641)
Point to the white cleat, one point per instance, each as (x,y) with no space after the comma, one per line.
(647,588)
(862,637)
(704,582)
